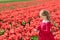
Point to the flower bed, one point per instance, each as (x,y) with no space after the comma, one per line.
(19,23)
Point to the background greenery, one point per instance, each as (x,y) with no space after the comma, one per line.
(6,1)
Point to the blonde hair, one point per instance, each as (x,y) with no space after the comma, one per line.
(45,13)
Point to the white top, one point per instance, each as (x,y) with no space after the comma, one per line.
(45,21)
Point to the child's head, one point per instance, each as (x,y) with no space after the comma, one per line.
(44,14)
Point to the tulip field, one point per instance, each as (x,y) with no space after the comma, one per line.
(19,19)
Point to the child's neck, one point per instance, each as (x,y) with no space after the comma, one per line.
(45,19)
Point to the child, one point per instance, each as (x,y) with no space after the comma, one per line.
(44,28)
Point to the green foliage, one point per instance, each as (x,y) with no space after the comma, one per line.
(7,1)
(55,24)
(34,38)
(2,32)
(23,23)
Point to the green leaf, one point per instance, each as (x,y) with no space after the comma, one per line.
(23,23)
(2,32)
(34,38)
(55,24)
